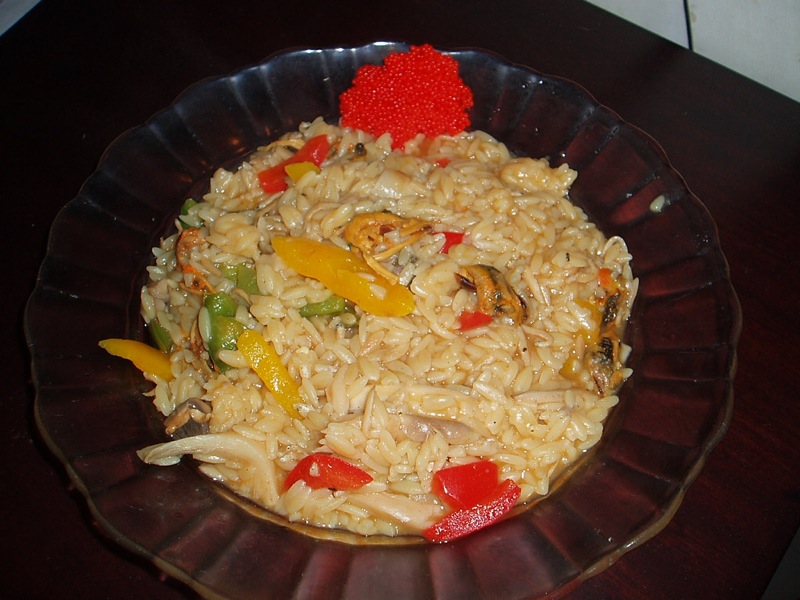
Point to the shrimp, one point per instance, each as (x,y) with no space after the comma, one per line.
(194,279)
(496,297)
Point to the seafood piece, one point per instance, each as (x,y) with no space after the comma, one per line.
(194,279)
(496,297)
(605,365)
(369,233)
(418,428)
(604,361)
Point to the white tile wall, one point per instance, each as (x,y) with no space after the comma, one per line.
(13,10)
(758,38)
(664,17)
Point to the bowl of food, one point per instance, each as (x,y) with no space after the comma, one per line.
(389,311)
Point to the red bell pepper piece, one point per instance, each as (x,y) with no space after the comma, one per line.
(328,471)
(315,150)
(470,320)
(466,485)
(451,238)
(487,512)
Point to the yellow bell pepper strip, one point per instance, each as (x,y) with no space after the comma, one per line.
(296,170)
(263,359)
(327,471)
(346,275)
(464,521)
(145,358)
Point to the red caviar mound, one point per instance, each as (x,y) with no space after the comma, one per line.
(414,92)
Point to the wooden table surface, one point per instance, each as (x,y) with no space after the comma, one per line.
(74,75)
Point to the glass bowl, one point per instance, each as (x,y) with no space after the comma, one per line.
(91,411)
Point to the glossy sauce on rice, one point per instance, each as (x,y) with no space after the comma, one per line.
(400,397)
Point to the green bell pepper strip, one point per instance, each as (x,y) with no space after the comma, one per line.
(224,328)
(189,203)
(243,276)
(160,336)
(330,306)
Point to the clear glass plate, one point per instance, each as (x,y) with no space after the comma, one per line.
(90,408)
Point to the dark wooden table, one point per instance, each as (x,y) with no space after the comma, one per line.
(74,75)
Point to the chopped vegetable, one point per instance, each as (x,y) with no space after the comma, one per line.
(473,319)
(263,359)
(451,238)
(145,358)
(296,170)
(415,92)
(468,520)
(224,329)
(604,278)
(160,336)
(345,274)
(464,486)
(220,304)
(314,151)
(327,471)
(224,333)
(332,305)
(243,276)
(189,203)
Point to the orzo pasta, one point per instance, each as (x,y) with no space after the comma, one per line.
(510,353)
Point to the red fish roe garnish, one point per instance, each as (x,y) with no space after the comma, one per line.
(415,92)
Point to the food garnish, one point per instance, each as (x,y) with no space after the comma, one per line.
(345,274)
(307,158)
(327,471)
(472,319)
(464,486)
(451,238)
(263,359)
(415,92)
(468,520)
(219,327)
(145,358)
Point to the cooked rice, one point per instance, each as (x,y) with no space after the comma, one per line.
(516,386)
